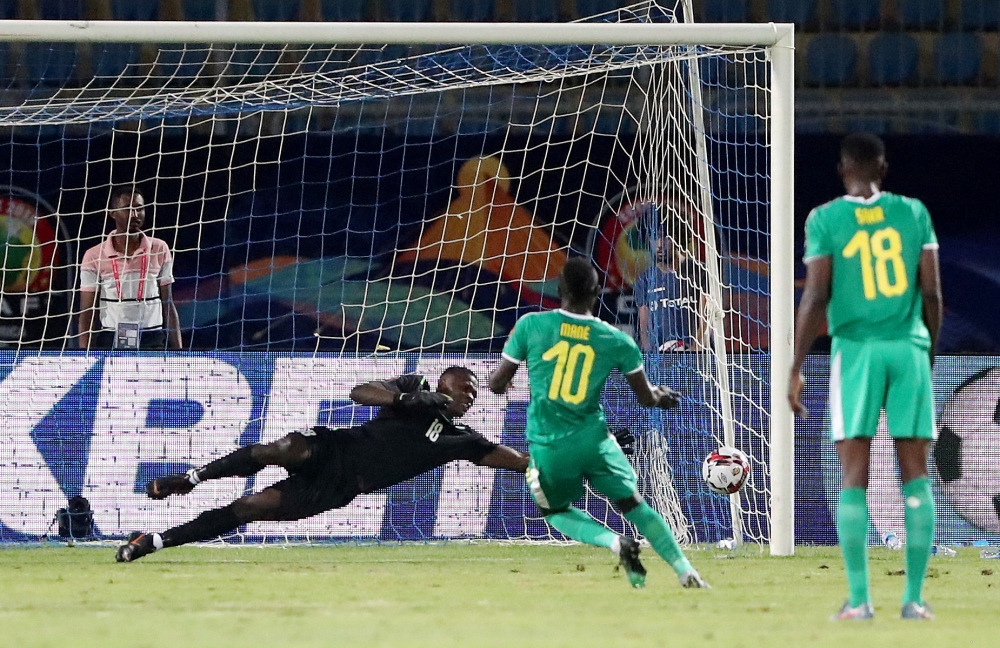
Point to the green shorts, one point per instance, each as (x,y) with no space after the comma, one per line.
(557,469)
(866,377)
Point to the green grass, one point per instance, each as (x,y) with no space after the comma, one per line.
(459,594)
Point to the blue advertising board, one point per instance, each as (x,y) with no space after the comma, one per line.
(102,425)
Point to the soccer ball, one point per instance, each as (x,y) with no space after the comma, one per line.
(966,450)
(725,470)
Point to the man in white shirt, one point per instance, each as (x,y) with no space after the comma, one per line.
(127,278)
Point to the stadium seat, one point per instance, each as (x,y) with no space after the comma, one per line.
(957,58)
(60,9)
(5,78)
(254,61)
(980,15)
(406,10)
(182,63)
(831,60)
(8,9)
(342,10)
(800,12)
(874,125)
(893,58)
(276,10)
(854,14)
(921,14)
(50,64)
(988,123)
(585,8)
(109,60)
(535,10)
(715,70)
(724,11)
(472,10)
(199,10)
(135,9)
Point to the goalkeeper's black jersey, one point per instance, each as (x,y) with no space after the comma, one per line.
(402,442)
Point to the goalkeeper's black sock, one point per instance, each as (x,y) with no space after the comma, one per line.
(235,464)
(209,524)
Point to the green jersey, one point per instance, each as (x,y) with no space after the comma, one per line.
(875,247)
(569,359)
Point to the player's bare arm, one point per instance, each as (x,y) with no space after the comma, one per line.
(808,325)
(375,393)
(171,320)
(86,322)
(502,376)
(930,289)
(506,458)
(650,395)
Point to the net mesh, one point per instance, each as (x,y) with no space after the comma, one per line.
(341,213)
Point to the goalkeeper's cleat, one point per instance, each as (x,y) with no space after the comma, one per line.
(163,487)
(692,579)
(138,546)
(863,612)
(913,610)
(628,558)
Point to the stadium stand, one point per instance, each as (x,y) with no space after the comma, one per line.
(108,60)
(342,10)
(201,10)
(725,11)
(852,15)
(800,12)
(586,8)
(472,10)
(957,58)
(831,60)
(276,10)
(921,14)
(406,10)
(534,10)
(906,46)
(979,15)
(135,9)
(49,64)
(893,58)
(60,9)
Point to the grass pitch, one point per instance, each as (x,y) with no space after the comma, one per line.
(460,594)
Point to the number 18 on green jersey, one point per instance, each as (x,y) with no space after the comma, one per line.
(875,248)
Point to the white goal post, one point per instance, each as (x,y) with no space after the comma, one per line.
(776,39)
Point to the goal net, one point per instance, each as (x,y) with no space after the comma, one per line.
(343,212)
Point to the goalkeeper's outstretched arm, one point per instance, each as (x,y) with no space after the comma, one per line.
(506,458)
(375,393)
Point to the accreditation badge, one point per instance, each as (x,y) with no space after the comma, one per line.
(127,336)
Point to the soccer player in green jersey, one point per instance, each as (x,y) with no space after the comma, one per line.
(872,264)
(570,354)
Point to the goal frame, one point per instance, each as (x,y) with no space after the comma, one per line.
(778,38)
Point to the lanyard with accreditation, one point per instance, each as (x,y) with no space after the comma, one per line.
(127,333)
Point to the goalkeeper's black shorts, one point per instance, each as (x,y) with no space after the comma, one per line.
(326,481)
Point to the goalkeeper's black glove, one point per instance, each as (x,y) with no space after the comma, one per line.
(625,439)
(434,400)
(669,398)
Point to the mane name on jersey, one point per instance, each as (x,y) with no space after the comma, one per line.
(575,331)
(869,215)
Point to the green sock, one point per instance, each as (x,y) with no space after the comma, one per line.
(574,523)
(852,530)
(919,535)
(657,531)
